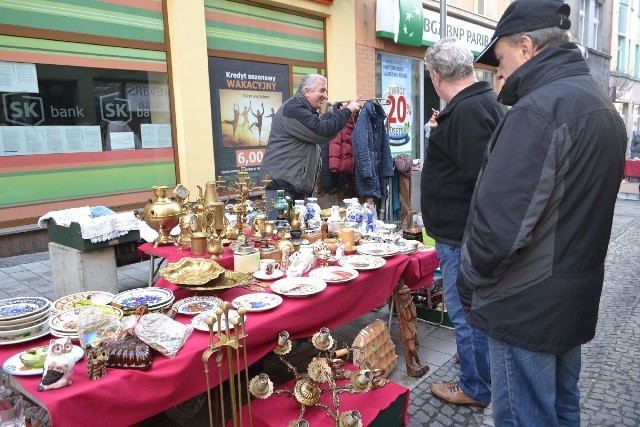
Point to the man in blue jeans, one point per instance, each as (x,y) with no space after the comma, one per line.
(532,260)
(454,156)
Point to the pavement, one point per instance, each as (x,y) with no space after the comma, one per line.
(609,381)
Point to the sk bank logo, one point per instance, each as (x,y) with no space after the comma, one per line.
(113,108)
(23,110)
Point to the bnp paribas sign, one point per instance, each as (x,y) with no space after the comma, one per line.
(408,23)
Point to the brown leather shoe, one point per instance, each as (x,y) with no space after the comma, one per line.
(450,392)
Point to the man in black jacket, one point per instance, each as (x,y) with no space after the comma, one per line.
(533,252)
(454,156)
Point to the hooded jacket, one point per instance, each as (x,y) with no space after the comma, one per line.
(454,157)
(292,156)
(532,262)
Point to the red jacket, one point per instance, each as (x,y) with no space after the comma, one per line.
(341,151)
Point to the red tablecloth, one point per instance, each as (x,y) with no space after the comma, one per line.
(125,397)
(632,168)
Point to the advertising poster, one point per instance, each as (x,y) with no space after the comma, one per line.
(244,97)
(396,86)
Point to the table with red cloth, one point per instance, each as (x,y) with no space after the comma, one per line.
(125,397)
(632,168)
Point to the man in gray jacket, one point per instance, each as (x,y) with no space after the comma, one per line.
(533,251)
(292,157)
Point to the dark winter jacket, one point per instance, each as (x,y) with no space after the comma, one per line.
(454,157)
(372,152)
(292,156)
(532,262)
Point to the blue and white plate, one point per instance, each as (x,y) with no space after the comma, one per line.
(16,308)
(151,297)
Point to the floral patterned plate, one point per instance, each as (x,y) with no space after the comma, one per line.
(151,297)
(334,274)
(196,305)
(82,298)
(35,334)
(362,262)
(298,286)
(378,249)
(15,308)
(65,321)
(257,301)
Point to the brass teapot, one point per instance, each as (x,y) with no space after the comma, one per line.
(162,215)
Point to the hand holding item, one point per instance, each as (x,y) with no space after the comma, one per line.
(434,117)
(353,106)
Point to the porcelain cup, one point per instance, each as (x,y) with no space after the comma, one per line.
(267,266)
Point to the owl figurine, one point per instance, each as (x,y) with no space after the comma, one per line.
(58,365)
(97,358)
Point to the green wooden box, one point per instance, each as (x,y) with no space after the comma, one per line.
(72,236)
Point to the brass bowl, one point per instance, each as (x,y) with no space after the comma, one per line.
(230,279)
(192,271)
(326,213)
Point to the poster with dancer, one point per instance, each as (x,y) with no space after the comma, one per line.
(244,97)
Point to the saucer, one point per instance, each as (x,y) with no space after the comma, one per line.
(273,276)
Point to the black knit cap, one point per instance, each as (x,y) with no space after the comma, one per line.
(527,15)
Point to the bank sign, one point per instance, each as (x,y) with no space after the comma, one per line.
(408,23)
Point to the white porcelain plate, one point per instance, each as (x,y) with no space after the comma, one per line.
(298,286)
(362,262)
(258,301)
(14,365)
(151,297)
(35,334)
(65,321)
(378,249)
(260,275)
(196,305)
(15,308)
(334,274)
(20,330)
(25,322)
(199,323)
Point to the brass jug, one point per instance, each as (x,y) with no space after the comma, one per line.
(162,215)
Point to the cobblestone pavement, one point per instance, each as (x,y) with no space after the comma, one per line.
(610,379)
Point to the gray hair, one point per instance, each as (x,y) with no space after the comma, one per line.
(451,58)
(542,38)
(309,81)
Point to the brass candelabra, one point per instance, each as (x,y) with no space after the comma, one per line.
(242,188)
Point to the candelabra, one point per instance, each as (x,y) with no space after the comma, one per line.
(321,377)
(242,187)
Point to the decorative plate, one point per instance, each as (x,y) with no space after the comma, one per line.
(378,249)
(65,321)
(151,297)
(334,274)
(23,322)
(192,271)
(82,299)
(260,275)
(258,301)
(362,262)
(15,308)
(199,323)
(14,365)
(21,330)
(298,286)
(196,305)
(35,334)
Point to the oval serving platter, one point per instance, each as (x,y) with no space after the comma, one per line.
(362,262)
(334,274)
(298,286)
(258,301)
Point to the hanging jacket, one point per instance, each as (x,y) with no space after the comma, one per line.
(341,150)
(372,152)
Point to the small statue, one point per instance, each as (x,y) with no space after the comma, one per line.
(58,365)
(97,358)
(406,310)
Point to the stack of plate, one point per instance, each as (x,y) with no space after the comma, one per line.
(23,319)
(156,299)
(64,324)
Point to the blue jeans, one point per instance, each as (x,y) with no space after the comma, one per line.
(472,343)
(532,388)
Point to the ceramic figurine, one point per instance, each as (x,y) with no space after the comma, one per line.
(97,358)
(58,365)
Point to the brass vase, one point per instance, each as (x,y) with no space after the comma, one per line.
(162,215)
